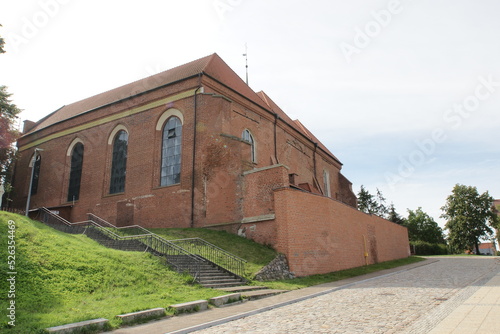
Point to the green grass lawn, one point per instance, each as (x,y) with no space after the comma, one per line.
(63,278)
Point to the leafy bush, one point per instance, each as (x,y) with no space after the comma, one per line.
(427,248)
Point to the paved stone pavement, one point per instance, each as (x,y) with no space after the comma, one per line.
(424,299)
(439,295)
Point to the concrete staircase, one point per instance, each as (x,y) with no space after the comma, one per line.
(209,275)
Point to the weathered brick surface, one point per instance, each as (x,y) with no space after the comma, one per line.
(321,235)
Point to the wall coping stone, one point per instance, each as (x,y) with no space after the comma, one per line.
(78,326)
(260,218)
(130,317)
(197,305)
(256,170)
(221,300)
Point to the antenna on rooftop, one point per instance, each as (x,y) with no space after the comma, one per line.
(246,60)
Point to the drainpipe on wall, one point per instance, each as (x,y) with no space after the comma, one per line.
(194,151)
(31,181)
(315,176)
(276,117)
(314,160)
(366,250)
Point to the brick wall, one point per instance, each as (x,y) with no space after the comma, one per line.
(224,193)
(320,235)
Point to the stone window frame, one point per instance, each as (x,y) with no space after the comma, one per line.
(326,183)
(72,170)
(161,124)
(113,188)
(249,138)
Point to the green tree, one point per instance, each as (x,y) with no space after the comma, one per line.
(8,134)
(2,43)
(371,204)
(469,216)
(395,217)
(422,227)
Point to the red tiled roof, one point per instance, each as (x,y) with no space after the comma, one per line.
(486,245)
(140,86)
(212,66)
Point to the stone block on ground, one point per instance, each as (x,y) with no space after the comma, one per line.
(222,300)
(146,314)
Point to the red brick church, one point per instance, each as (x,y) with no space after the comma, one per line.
(195,146)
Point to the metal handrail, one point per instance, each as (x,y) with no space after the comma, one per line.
(212,246)
(214,254)
(157,244)
(100,221)
(148,234)
(85,223)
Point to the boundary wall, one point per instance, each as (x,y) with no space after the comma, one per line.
(319,235)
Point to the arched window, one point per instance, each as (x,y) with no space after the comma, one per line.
(36,172)
(326,183)
(75,175)
(247,136)
(119,163)
(170,172)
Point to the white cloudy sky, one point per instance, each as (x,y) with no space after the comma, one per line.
(405,93)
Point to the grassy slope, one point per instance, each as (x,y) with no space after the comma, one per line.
(64,278)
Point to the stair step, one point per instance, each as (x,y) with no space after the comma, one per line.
(217,273)
(218,278)
(243,288)
(221,285)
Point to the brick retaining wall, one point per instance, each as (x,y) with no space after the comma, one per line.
(320,235)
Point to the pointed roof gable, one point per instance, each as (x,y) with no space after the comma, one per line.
(217,69)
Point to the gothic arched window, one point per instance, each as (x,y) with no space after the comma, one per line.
(119,163)
(247,136)
(75,175)
(170,172)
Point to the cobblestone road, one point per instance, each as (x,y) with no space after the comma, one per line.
(413,301)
